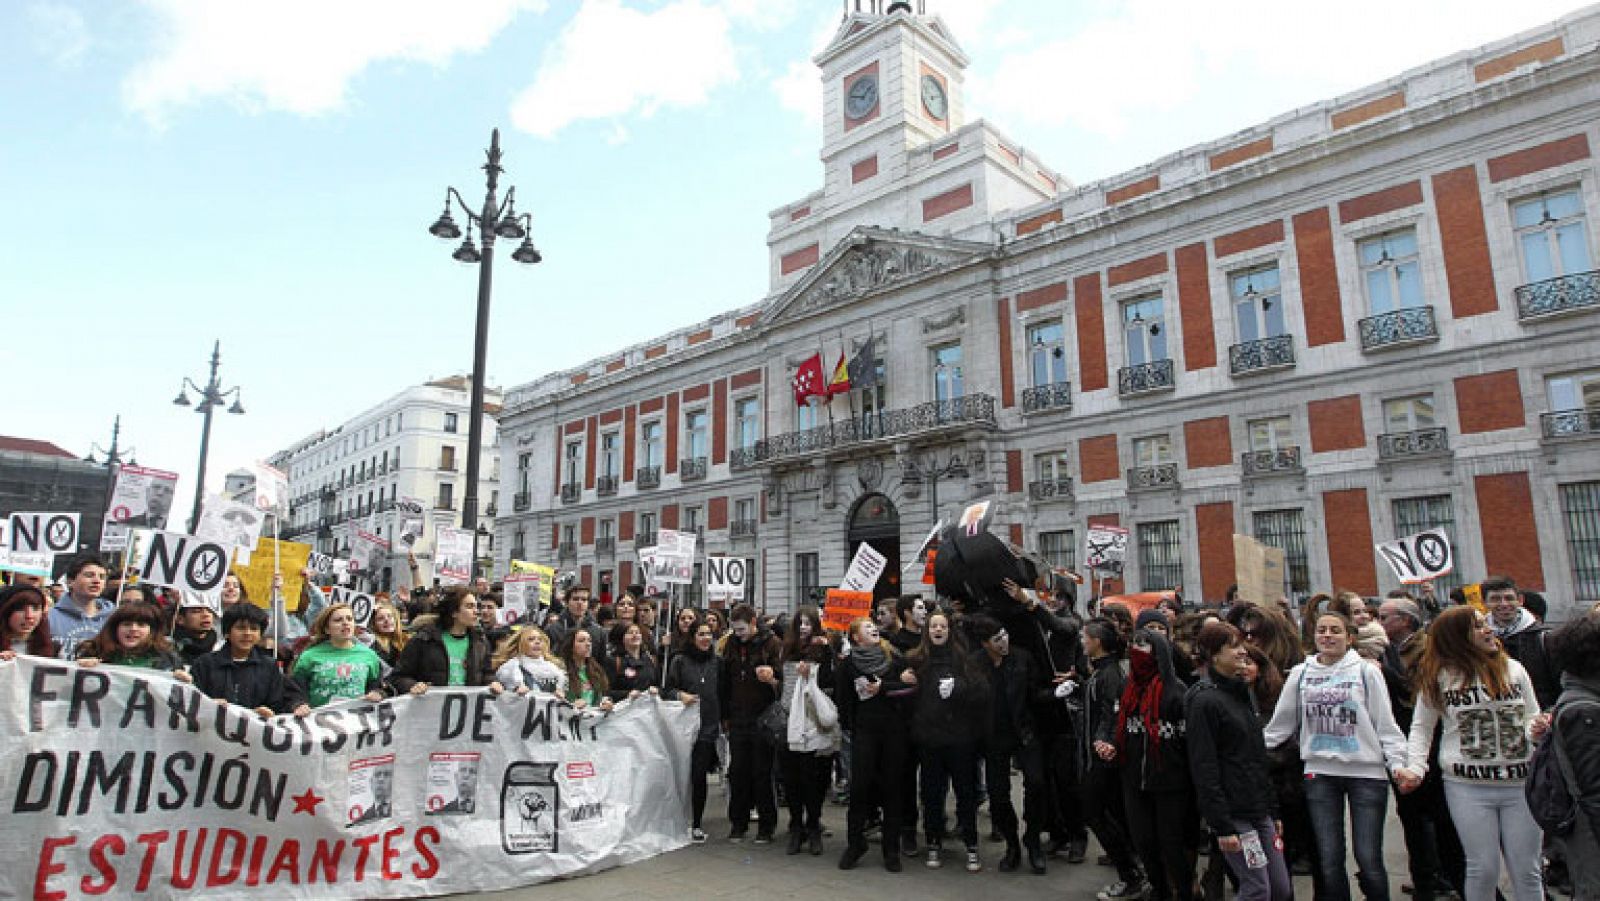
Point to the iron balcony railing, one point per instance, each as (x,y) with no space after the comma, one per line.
(1416,443)
(1562,294)
(1150,478)
(605,544)
(570,492)
(521,501)
(692,469)
(444,503)
(742,457)
(742,528)
(1271,462)
(1264,355)
(1570,423)
(1052,397)
(644,539)
(567,550)
(1144,378)
(968,411)
(1398,328)
(605,485)
(1050,490)
(648,477)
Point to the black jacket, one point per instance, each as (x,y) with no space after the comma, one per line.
(743,697)
(1168,771)
(191,646)
(1227,755)
(1102,690)
(252,682)
(645,675)
(1578,727)
(939,722)
(1016,687)
(699,676)
(1528,648)
(561,625)
(426,660)
(885,712)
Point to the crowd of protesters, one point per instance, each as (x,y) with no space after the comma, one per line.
(1251,735)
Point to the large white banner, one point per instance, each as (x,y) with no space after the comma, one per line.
(123,783)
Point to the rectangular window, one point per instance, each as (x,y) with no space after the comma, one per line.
(1047,354)
(744,510)
(1152,451)
(609,458)
(1053,466)
(695,427)
(569,535)
(1580,510)
(447,457)
(1059,549)
(1419,514)
(746,423)
(806,416)
(650,437)
(874,398)
(1286,529)
(1574,391)
(1552,234)
(1160,556)
(524,466)
(647,527)
(1408,414)
(1270,434)
(806,577)
(447,496)
(947,376)
(1144,330)
(1257,306)
(607,531)
(450,422)
(691,519)
(1390,271)
(519,541)
(574,462)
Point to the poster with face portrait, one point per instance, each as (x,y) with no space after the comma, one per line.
(371,789)
(412,522)
(230,524)
(140,499)
(452,786)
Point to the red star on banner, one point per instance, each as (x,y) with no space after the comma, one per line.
(307,803)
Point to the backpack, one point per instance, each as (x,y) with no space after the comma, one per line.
(1549,787)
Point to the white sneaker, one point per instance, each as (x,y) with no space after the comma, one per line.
(933,857)
(697,835)
(973,863)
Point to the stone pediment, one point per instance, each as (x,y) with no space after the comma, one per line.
(867,261)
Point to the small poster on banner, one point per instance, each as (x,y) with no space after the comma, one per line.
(530,809)
(845,607)
(140,499)
(412,521)
(452,786)
(371,790)
(453,555)
(864,570)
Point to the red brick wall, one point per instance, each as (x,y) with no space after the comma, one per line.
(611,417)
(1233,156)
(1348,525)
(1500,65)
(669,516)
(586,576)
(591,441)
(1194,302)
(1032,224)
(799,259)
(1208,442)
(1319,278)
(1490,402)
(1008,394)
(864,169)
(625,573)
(555,535)
(670,464)
(1040,297)
(625,526)
(719,421)
(1535,159)
(699,337)
(1368,205)
(717,513)
(1214,524)
(653,405)
(947,203)
(1097,459)
(660,350)
(1013,471)
(695,392)
(1153,264)
(1133,189)
(1016,534)
(746,379)
(586,531)
(1510,535)
(1091,331)
(1372,109)
(630,427)
(1248,238)
(1336,424)
(1465,242)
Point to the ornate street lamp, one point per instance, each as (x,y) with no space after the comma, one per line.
(211,395)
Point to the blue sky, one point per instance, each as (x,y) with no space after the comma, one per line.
(179,171)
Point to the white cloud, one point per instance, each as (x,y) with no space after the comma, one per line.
(59,32)
(799,90)
(612,61)
(299,55)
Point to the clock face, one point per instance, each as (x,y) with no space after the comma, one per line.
(862,98)
(933,98)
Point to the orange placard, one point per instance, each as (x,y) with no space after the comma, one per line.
(1137,603)
(845,607)
(927,570)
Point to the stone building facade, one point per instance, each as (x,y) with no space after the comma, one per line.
(1368,317)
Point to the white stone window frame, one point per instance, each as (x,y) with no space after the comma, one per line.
(1292,439)
(644,444)
(934,347)
(1153,288)
(1504,249)
(1430,258)
(734,438)
(1255,261)
(689,413)
(1053,314)
(1136,442)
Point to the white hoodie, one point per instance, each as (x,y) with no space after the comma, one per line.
(1343,718)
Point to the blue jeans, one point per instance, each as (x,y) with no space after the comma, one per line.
(1494,820)
(1368,799)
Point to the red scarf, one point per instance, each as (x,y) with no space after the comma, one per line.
(1142,697)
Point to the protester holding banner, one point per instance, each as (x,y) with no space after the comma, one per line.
(807,772)
(948,717)
(525,663)
(242,673)
(692,678)
(192,634)
(683,630)
(335,666)
(870,688)
(631,668)
(587,685)
(131,636)
(80,613)
(450,651)
(23,626)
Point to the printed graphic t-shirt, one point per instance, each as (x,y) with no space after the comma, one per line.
(332,674)
(456,649)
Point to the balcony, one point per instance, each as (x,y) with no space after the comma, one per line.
(447,466)
(567,550)
(1050,490)
(521,501)
(1570,423)
(692,469)
(1051,398)
(1145,378)
(1555,296)
(644,539)
(605,486)
(742,528)
(1278,461)
(444,503)
(1265,355)
(519,552)
(946,416)
(742,458)
(570,492)
(1153,478)
(1419,443)
(1400,328)
(648,477)
(606,545)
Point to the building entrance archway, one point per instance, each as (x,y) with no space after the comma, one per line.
(875,521)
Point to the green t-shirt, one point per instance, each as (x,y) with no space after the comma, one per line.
(456,649)
(331,674)
(582,690)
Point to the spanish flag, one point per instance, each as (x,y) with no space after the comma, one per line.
(840,382)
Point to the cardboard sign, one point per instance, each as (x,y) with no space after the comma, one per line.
(44,533)
(671,561)
(844,607)
(360,604)
(272,487)
(726,578)
(1418,558)
(26,564)
(230,524)
(1259,570)
(864,570)
(256,575)
(191,564)
(1106,548)
(141,499)
(372,552)
(453,556)
(412,521)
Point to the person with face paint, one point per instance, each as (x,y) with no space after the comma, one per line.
(807,655)
(870,687)
(1154,762)
(1014,684)
(692,678)
(748,685)
(949,710)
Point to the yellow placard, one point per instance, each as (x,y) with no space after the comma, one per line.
(256,576)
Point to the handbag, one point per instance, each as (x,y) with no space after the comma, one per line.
(773,725)
(822,709)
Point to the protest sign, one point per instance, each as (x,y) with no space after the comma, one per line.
(230,524)
(140,499)
(975,518)
(1258,570)
(256,575)
(412,521)
(524,591)
(185,562)
(672,562)
(359,601)
(1418,558)
(38,564)
(272,487)
(44,533)
(865,569)
(842,607)
(126,783)
(371,552)
(726,578)
(1105,548)
(453,555)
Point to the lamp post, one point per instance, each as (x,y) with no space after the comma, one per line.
(112,461)
(930,469)
(494,220)
(212,395)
